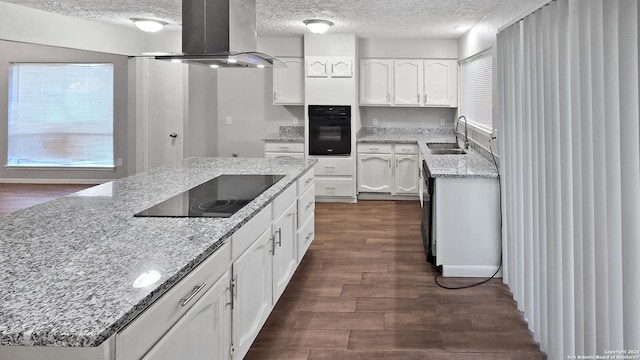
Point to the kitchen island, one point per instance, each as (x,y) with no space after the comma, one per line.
(67,287)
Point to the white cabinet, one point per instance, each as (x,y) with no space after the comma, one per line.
(406,174)
(252,292)
(288,83)
(376,76)
(285,252)
(285,150)
(441,83)
(333,67)
(374,173)
(387,168)
(407,82)
(204,332)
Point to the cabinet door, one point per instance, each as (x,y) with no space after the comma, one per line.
(407,82)
(375,81)
(406,174)
(317,67)
(288,83)
(341,67)
(441,83)
(285,256)
(204,332)
(374,173)
(252,295)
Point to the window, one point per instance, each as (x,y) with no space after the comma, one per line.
(60,115)
(476,90)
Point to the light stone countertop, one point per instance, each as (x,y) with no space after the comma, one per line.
(68,265)
(287,134)
(470,165)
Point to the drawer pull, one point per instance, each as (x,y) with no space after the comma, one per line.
(329,188)
(196,290)
(279,237)
(284,148)
(309,236)
(273,244)
(308,181)
(309,204)
(374,149)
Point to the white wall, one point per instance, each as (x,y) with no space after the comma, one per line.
(202,112)
(483,37)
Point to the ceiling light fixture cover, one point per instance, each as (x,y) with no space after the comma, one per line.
(148,25)
(318,26)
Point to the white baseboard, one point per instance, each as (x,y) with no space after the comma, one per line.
(55,181)
(481,271)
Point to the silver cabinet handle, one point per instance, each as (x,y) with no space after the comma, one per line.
(425,99)
(284,148)
(275,96)
(309,204)
(273,244)
(173,135)
(418,98)
(309,236)
(389,161)
(374,149)
(279,237)
(388,98)
(329,188)
(396,163)
(196,290)
(308,181)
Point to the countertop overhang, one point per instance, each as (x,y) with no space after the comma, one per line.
(69,264)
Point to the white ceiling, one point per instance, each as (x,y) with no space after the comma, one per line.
(365,18)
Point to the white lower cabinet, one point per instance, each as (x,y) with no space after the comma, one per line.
(406,178)
(374,173)
(203,332)
(252,292)
(387,169)
(285,252)
(284,151)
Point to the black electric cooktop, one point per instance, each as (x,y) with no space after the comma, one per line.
(222,196)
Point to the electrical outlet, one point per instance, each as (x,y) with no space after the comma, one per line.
(119,162)
(375,121)
(441,122)
(295,120)
(229,120)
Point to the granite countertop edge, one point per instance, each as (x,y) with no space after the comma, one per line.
(49,337)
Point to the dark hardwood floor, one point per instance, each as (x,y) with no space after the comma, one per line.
(19,196)
(364,291)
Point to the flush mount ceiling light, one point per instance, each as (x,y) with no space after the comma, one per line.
(148,25)
(463,28)
(318,26)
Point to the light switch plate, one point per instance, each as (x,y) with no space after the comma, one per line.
(375,121)
(295,120)
(441,122)
(229,120)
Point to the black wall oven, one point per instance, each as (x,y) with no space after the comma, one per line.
(330,130)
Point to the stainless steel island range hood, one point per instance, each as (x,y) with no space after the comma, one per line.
(220,33)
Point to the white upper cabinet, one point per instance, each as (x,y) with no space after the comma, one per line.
(376,76)
(329,67)
(407,82)
(441,83)
(288,83)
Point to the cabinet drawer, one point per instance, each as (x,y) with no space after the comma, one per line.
(141,334)
(290,155)
(305,182)
(284,200)
(284,147)
(306,235)
(334,186)
(306,206)
(334,166)
(406,149)
(250,231)
(374,148)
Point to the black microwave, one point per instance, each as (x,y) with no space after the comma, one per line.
(330,130)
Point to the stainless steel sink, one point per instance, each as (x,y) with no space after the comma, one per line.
(442,146)
(457,151)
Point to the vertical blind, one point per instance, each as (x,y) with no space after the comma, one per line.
(476,90)
(61,115)
(569,94)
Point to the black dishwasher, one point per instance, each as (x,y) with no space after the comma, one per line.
(427,211)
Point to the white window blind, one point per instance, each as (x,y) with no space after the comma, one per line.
(476,90)
(60,115)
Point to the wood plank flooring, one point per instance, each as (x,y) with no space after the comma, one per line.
(364,291)
(19,196)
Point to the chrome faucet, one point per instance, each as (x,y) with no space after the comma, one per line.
(466,134)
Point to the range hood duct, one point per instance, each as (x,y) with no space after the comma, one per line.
(222,33)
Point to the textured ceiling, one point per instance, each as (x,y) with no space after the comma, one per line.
(365,18)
